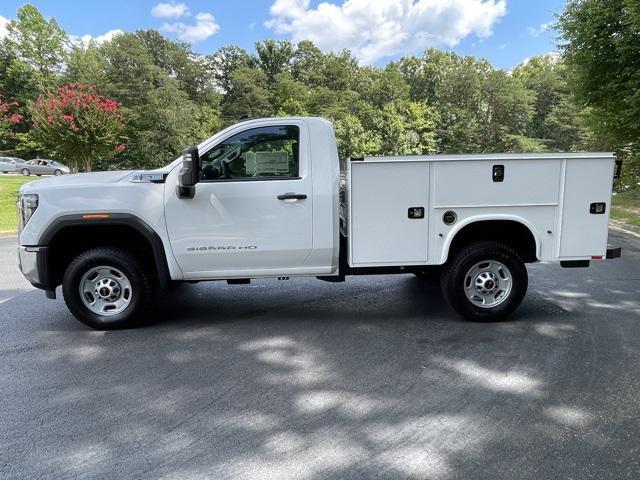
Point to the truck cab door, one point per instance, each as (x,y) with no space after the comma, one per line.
(251,213)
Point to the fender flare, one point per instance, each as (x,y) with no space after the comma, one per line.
(121,219)
(487,218)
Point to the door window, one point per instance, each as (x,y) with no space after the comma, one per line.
(259,153)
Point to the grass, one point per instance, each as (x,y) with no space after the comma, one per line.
(626,207)
(9,186)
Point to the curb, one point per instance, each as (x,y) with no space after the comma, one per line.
(624,227)
(624,230)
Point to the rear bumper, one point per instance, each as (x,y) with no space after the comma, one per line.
(34,265)
(615,252)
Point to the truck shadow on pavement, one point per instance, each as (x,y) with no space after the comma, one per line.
(373,379)
(370,297)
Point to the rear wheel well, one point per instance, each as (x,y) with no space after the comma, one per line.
(509,232)
(71,241)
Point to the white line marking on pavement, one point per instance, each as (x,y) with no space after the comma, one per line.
(619,229)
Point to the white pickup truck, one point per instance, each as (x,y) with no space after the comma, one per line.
(270,198)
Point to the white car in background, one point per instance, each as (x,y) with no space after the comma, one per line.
(43,166)
(11,164)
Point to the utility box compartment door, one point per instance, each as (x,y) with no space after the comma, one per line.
(385,224)
(583,233)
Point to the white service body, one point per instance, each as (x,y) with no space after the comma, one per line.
(549,193)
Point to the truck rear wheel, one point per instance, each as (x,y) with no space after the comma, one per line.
(485,281)
(107,288)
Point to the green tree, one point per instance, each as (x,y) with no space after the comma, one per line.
(248,94)
(306,64)
(454,86)
(290,97)
(78,124)
(224,62)
(274,57)
(556,121)
(338,70)
(86,65)
(479,109)
(440,101)
(601,47)
(505,109)
(421,122)
(178,60)
(353,140)
(163,110)
(35,54)
(406,128)
(381,86)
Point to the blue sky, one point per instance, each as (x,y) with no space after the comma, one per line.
(504,31)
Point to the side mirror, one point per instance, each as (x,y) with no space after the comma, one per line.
(189,174)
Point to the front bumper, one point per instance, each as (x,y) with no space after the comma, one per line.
(34,265)
(28,261)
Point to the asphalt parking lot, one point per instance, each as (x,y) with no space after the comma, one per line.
(374,378)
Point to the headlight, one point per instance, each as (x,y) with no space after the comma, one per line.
(27,204)
(147,177)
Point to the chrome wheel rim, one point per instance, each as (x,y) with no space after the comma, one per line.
(488,284)
(105,290)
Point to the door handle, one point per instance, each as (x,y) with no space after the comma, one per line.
(292,196)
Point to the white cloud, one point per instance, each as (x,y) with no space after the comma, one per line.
(536,32)
(204,27)
(170,10)
(3,27)
(374,29)
(85,40)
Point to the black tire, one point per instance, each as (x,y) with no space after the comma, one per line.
(57,173)
(454,278)
(142,288)
(25,172)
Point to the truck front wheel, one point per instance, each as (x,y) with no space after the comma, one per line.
(485,281)
(107,288)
